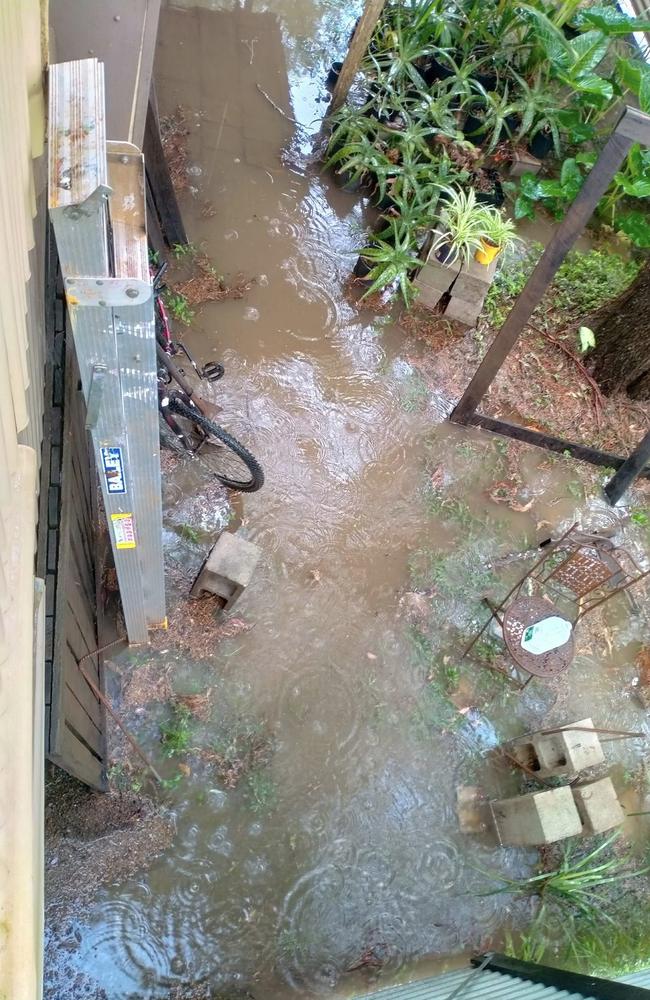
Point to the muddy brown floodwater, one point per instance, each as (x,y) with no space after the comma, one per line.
(346,842)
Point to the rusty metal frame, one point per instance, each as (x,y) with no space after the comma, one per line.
(633,126)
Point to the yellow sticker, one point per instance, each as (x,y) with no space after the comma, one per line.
(124,531)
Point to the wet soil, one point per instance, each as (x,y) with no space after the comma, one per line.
(336,857)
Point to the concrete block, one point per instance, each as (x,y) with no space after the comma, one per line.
(559,753)
(228,569)
(598,806)
(429,297)
(464,312)
(474,280)
(537,818)
(471,808)
(568,753)
(433,274)
(524,163)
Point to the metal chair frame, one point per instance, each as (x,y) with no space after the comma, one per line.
(592,564)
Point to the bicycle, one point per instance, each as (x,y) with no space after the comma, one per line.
(197,432)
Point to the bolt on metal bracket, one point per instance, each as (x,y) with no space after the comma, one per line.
(109,292)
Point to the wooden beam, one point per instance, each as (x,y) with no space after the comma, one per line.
(357,50)
(579,451)
(633,466)
(567,233)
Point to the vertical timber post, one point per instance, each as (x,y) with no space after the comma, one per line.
(628,471)
(574,222)
(358,47)
(102,244)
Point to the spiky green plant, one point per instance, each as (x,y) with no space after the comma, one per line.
(577,882)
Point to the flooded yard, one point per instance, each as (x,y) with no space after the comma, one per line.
(339,850)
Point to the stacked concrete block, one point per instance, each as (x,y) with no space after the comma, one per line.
(469,291)
(598,806)
(524,163)
(537,818)
(562,753)
(434,280)
(228,569)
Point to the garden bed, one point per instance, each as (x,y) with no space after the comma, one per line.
(449,103)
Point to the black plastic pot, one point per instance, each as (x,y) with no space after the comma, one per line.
(496,196)
(346,180)
(541,145)
(444,252)
(487,80)
(333,74)
(362,268)
(474,129)
(435,70)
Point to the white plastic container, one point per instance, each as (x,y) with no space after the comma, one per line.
(549,633)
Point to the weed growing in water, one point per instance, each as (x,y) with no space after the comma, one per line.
(415,394)
(178,307)
(189,534)
(181,251)
(241,747)
(261,792)
(176,734)
(434,712)
(640,516)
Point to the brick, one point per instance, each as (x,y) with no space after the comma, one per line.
(52,546)
(598,806)
(59,315)
(55,466)
(53,506)
(537,818)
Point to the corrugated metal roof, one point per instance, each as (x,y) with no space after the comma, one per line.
(641,979)
(488,985)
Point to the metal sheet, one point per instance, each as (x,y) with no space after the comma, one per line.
(122,340)
(486,985)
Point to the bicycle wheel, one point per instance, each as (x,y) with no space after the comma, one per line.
(234,462)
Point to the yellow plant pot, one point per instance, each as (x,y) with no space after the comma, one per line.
(487,252)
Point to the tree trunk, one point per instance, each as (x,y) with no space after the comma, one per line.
(621,357)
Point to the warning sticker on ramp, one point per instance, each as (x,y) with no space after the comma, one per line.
(123,530)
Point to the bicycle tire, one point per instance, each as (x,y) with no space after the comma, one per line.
(194,414)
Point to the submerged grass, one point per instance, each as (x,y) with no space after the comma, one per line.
(579,879)
(176,733)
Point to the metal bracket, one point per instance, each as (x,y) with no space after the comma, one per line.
(109,292)
(95,394)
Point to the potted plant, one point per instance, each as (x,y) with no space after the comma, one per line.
(462,226)
(391,261)
(498,235)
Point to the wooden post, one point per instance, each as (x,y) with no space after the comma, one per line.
(574,222)
(357,50)
(629,470)
(159,182)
